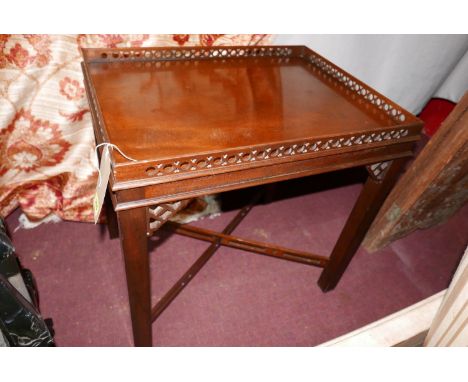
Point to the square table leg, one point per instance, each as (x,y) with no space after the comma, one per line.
(134,242)
(365,210)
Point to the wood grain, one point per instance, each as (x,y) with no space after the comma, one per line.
(434,187)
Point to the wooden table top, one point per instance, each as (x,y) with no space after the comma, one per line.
(176,107)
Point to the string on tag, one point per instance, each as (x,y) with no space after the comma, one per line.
(112,146)
(115,147)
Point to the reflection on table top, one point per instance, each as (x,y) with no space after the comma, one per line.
(169,109)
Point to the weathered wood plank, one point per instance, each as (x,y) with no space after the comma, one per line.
(433,188)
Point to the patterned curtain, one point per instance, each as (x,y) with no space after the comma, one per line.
(46,139)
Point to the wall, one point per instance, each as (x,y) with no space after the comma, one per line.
(409,69)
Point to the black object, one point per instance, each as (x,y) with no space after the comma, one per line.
(8,263)
(21,323)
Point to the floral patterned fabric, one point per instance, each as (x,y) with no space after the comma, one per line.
(47,160)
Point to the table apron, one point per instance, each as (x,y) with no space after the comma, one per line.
(194,187)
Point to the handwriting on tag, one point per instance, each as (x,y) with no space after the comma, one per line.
(104,172)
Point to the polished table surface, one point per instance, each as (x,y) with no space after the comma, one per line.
(164,111)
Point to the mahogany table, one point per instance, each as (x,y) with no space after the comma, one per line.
(200,121)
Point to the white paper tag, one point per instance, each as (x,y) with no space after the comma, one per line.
(101,187)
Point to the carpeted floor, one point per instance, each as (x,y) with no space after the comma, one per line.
(239,298)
